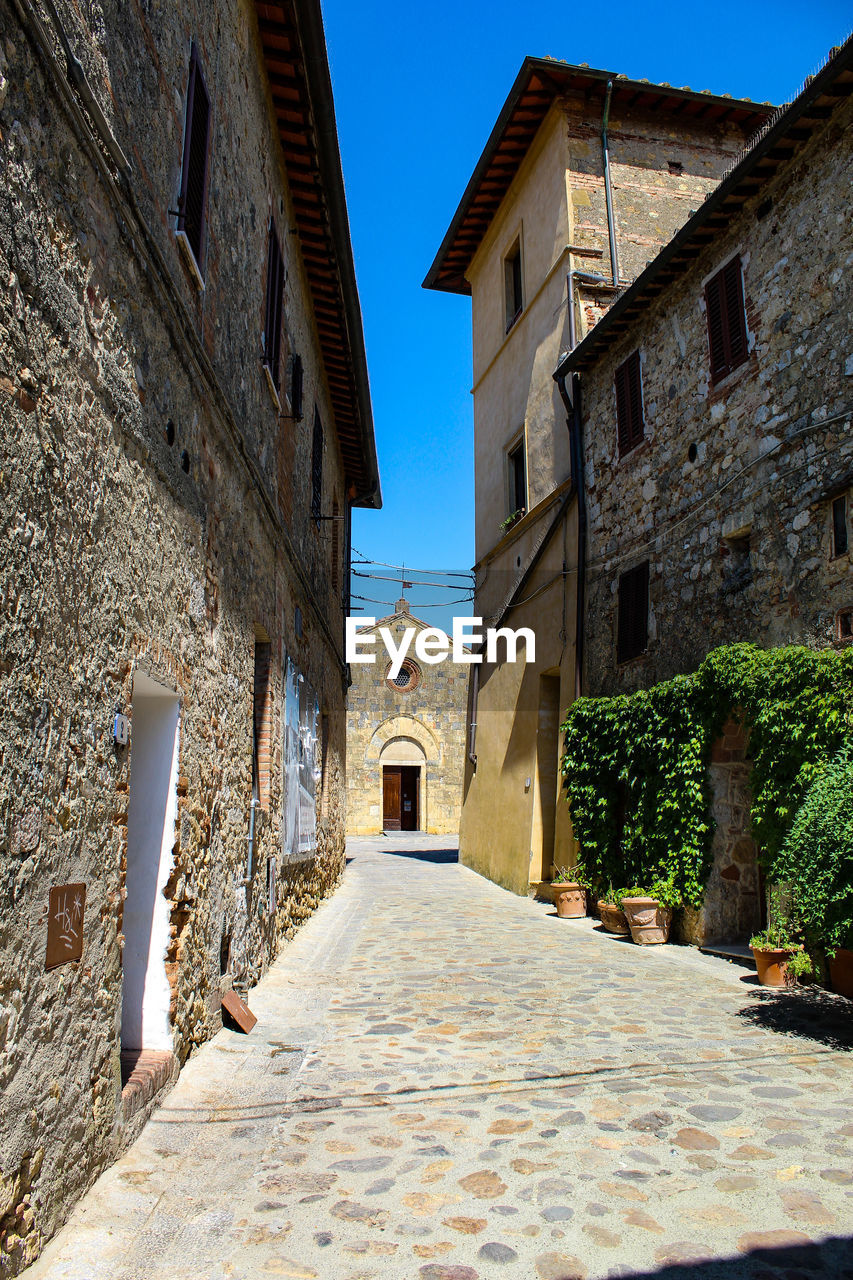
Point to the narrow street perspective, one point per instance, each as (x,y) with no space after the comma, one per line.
(448,1083)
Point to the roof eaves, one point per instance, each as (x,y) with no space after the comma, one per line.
(763,142)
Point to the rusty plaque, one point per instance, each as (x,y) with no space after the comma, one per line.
(238,1011)
(66,905)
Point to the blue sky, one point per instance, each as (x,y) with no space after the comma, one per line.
(417,91)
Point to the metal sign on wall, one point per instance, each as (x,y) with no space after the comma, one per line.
(66,906)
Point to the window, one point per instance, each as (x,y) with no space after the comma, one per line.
(296,387)
(633,626)
(192,201)
(517,480)
(844,625)
(726,320)
(317,467)
(839,526)
(675,166)
(630,427)
(272,322)
(512,284)
(406,679)
(261,721)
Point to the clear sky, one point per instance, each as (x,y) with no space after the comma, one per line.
(418,88)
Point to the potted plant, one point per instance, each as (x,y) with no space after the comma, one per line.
(612,916)
(774,947)
(569,893)
(649,912)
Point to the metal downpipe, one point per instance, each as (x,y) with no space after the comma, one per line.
(608,194)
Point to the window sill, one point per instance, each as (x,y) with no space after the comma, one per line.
(724,384)
(273,390)
(186,248)
(636,451)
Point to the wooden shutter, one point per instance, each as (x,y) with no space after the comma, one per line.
(275,293)
(191,206)
(317,468)
(633,623)
(726,320)
(296,387)
(630,427)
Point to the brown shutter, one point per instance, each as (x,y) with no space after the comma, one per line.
(191,216)
(275,291)
(630,427)
(726,320)
(296,387)
(633,621)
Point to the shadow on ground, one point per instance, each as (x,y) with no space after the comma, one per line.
(425,855)
(809,1014)
(799,1259)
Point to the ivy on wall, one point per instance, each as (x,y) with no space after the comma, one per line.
(635,766)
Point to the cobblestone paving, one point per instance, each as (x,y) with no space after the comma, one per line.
(447,1082)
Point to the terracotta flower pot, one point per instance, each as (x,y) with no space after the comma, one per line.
(648,921)
(771,966)
(841,973)
(613,918)
(569,899)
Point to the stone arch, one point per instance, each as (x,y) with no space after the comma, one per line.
(406,727)
(402,750)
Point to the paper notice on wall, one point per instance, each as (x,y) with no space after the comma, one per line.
(301,718)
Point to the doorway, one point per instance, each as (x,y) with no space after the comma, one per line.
(152,813)
(401,785)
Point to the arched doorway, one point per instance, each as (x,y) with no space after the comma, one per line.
(402,768)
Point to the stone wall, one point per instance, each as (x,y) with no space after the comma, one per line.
(729,494)
(423,726)
(155,519)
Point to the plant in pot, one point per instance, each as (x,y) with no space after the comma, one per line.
(612,917)
(774,948)
(568,890)
(816,861)
(649,912)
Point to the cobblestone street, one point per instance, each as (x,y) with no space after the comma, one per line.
(446,1082)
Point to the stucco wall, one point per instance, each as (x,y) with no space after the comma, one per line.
(124,553)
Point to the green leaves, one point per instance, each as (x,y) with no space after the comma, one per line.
(636,766)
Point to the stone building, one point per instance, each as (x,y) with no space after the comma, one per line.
(405,738)
(585,177)
(186,425)
(716,404)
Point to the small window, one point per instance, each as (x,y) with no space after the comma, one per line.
(261,723)
(839,526)
(317,467)
(296,387)
(406,679)
(633,624)
(512,284)
(844,625)
(193,197)
(726,320)
(517,480)
(630,426)
(675,166)
(275,294)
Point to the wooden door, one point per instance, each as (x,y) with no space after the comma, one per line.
(409,786)
(391,808)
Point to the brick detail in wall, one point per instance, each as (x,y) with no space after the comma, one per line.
(262,726)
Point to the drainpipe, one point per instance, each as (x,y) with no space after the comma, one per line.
(572,401)
(256,804)
(608,195)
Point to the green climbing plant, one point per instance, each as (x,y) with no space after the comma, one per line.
(635,766)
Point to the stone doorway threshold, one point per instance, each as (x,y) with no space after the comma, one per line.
(144,1073)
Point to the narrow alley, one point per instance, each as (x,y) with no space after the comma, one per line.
(446,1082)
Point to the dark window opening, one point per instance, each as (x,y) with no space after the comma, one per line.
(296,387)
(275,295)
(845,624)
(261,724)
(675,166)
(839,526)
(737,567)
(512,285)
(191,205)
(517,479)
(633,625)
(317,467)
(764,208)
(630,427)
(726,320)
